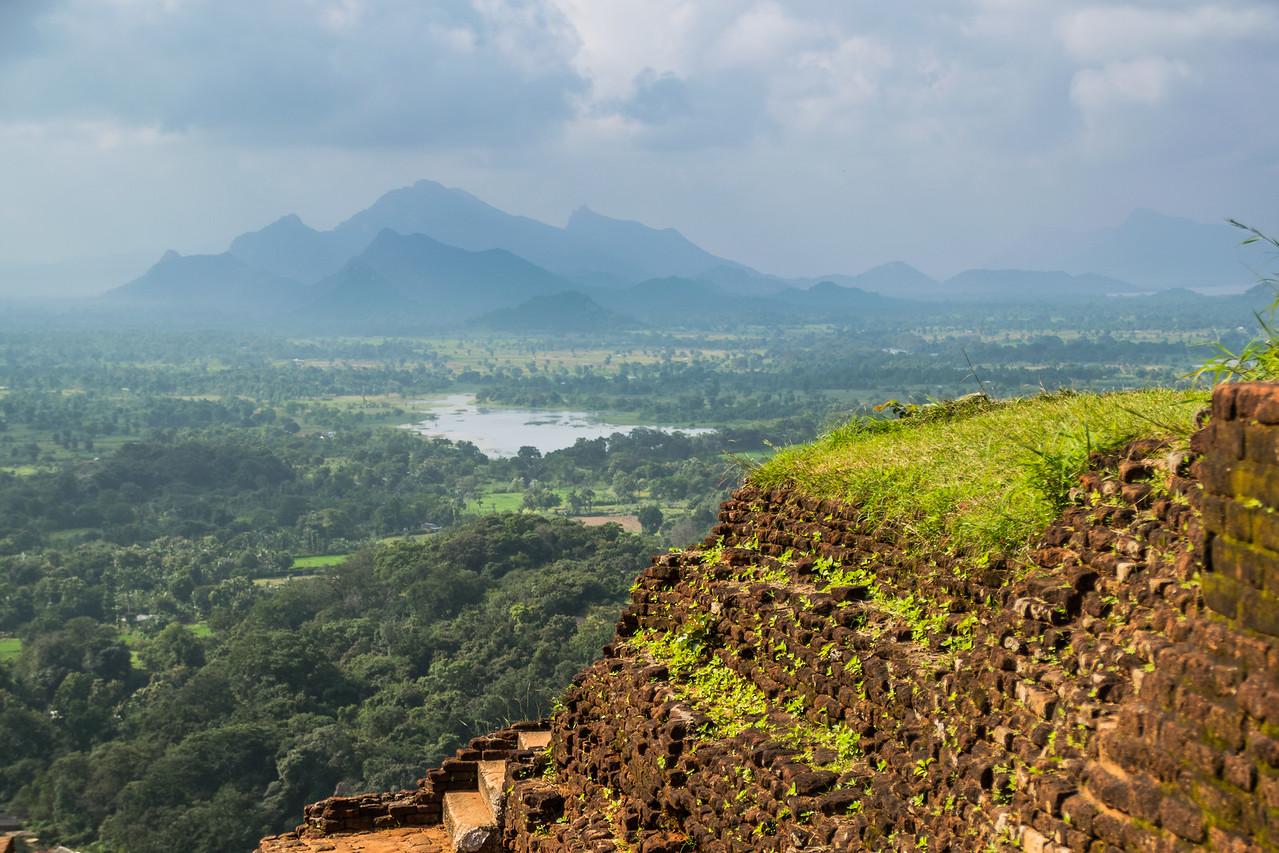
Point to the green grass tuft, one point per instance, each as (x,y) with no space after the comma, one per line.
(979,478)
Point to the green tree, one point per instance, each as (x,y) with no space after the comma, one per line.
(650,518)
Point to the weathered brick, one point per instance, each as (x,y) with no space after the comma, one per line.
(1223,593)
(1182,818)
(1261,444)
(1259,611)
(1223,402)
(1250,481)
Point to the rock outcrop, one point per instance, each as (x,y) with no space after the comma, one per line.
(809,679)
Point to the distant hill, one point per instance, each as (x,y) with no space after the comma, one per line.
(894,279)
(414,274)
(568,311)
(1029,286)
(897,279)
(220,283)
(902,281)
(593,249)
(829,296)
(591,244)
(638,251)
(427,253)
(1154,252)
(289,248)
(739,279)
(676,301)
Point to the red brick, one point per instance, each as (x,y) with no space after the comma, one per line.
(1223,401)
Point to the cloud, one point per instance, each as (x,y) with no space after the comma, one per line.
(1107,33)
(330,72)
(1168,81)
(1145,81)
(810,135)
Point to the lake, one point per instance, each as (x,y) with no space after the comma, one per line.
(503,431)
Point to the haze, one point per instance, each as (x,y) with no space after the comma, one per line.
(801,138)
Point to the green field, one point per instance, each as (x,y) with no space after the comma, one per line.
(497,502)
(9,648)
(319,561)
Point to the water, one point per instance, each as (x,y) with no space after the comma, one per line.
(502,432)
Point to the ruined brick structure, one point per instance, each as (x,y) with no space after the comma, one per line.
(1116,687)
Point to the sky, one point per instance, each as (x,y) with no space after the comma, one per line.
(803,137)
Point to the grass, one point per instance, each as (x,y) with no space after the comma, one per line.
(10,648)
(319,561)
(979,478)
(497,502)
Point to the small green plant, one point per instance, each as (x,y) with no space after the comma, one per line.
(1258,359)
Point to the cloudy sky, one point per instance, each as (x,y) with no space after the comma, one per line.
(800,136)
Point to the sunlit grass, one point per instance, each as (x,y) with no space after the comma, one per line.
(319,561)
(10,648)
(976,482)
(497,502)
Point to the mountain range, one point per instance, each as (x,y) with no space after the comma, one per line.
(427,256)
(1154,252)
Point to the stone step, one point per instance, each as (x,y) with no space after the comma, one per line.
(427,839)
(492,782)
(535,739)
(470,823)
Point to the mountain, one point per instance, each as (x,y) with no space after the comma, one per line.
(902,281)
(289,248)
(568,311)
(676,301)
(1157,252)
(1029,286)
(416,275)
(222,284)
(592,247)
(829,296)
(740,279)
(895,279)
(640,250)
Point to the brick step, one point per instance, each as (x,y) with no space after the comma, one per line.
(470,824)
(423,839)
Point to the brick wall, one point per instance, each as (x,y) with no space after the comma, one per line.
(1240,475)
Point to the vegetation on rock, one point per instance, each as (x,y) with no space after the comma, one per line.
(981,476)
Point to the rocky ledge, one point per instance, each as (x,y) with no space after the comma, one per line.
(810,679)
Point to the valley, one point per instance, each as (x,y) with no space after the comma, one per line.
(310,514)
